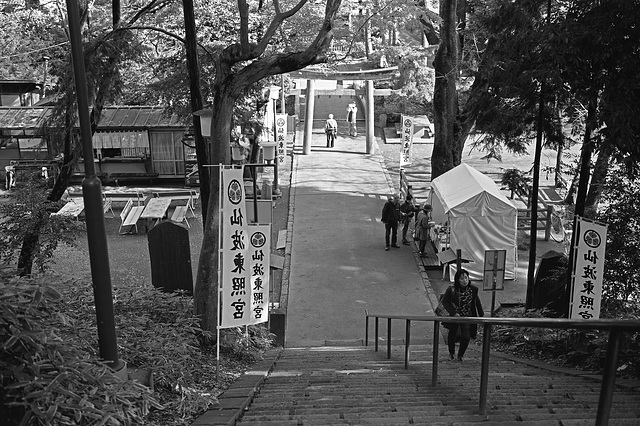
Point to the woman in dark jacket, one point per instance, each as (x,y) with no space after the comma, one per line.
(461,300)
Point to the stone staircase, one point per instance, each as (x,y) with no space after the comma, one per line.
(355,385)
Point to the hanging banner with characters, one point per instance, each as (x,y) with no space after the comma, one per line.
(259,267)
(281,134)
(234,282)
(407,140)
(589,252)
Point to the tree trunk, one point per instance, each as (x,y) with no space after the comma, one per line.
(568,199)
(598,178)
(585,171)
(206,292)
(585,163)
(30,243)
(193,68)
(445,104)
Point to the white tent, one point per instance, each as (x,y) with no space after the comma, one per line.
(479,215)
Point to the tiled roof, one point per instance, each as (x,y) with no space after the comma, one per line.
(112,117)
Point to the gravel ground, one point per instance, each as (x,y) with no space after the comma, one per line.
(129,260)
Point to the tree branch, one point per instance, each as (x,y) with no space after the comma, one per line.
(160,30)
(245,51)
(275,24)
(155,5)
(286,62)
(243,10)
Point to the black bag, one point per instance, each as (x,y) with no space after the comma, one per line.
(440,311)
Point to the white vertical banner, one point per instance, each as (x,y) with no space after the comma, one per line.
(260,268)
(235,287)
(407,140)
(589,252)
(281,134)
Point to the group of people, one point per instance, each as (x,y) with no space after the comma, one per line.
(461,299)
(331,125)
(394,213)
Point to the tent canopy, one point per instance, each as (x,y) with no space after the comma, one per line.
(464,191)
(479,216)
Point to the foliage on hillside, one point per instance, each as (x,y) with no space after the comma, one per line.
(579,349)
(586,350)
(52,375)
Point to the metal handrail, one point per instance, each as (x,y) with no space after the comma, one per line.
(614,326)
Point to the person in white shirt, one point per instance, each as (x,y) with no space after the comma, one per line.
(331,130)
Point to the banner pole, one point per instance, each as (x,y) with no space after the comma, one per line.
(219,277)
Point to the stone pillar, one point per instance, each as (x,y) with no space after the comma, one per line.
(308,116)
(369,120)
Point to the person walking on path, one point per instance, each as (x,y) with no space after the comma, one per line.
(461,300)
(390,218)
(423,225)
(407,210)
(331,129)
(352,112)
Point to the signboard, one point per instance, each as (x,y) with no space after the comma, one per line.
(234,282)
(589,251)
(281,133)
(494,261)
(407,140)
(259,267)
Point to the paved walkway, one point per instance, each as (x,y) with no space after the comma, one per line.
(339,266)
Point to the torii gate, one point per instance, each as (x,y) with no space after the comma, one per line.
(369,76)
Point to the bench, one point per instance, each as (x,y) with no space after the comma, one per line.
(180,215)
(190,195)
(107,202)
(73,208)
(106,207)
(123,197)
(129,216)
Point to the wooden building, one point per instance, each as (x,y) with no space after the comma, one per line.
(131,143)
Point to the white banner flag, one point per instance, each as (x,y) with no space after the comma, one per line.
(235,286)
(589,251)
(407,140)
(281,134)
(260,267)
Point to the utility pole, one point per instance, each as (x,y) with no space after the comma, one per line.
(92,194)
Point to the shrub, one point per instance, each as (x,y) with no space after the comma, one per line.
(27,210)
(515,180)
(51,373)
(47,381)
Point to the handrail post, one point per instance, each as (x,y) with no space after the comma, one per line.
(388,338)
(608,378)
(436,351)
(406,344)
(366,330)
(484,371)
(376,343)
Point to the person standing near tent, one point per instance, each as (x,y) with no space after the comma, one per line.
(423,226)
(352,112)
(461,300)
(390,218)
(331,129)
(407,210)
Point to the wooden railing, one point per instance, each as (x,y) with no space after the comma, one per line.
(544,219)
(614,327)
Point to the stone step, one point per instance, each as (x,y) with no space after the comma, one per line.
(358,386)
